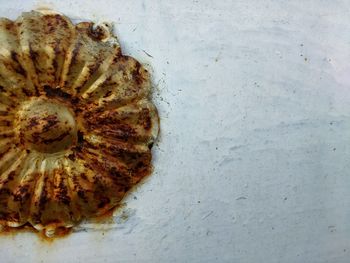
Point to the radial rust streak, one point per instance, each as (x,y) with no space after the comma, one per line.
(18,68)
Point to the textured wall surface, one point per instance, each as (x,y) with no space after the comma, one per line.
(253,162)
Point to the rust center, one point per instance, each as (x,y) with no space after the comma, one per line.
(46,126)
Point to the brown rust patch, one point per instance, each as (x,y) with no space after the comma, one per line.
(57,139)
(27,92)
(61,232)
(75,53)
(22,193)
(56,92)
(18,67)
(97,32)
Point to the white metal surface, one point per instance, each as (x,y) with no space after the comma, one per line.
(253,160)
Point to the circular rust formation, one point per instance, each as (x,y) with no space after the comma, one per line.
(76,122)
(46,126)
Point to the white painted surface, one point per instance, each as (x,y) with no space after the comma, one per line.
(253,161)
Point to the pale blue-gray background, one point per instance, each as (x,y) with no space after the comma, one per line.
(253,163)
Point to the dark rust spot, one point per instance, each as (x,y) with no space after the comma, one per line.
(98,33)
(5,191)
(103,202)
(75,53)
(137,76)
(108,93)
(80,137)
(59,93)
(51,121)
(145,119)
(81,194)
(10,26)
(27,92)
(56,92)
(58,138)
(33,54)
(11,175)
(54,62)
(71,157)
(83,175)
(18,68)
(63,194)
(33,122)
(22,193)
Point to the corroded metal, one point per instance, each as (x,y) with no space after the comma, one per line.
(76,122)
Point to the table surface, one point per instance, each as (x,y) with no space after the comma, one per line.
(253,160)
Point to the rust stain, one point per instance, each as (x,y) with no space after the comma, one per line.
(60,234)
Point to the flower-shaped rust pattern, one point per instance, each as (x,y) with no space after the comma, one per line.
(76,122)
